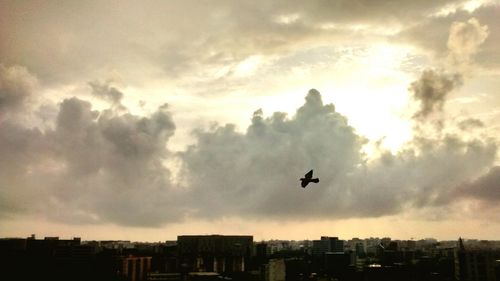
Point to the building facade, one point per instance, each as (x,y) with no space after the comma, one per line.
(214,253)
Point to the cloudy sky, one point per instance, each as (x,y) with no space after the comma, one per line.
(143,120)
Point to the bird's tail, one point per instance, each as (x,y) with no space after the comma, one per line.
(315,180)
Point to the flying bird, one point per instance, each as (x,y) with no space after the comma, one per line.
(307,179)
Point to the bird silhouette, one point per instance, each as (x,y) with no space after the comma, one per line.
(307,179)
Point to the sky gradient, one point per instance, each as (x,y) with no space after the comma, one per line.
(147,120)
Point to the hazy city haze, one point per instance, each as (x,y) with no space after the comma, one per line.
(143,120)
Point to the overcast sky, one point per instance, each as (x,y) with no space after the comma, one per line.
(144,120)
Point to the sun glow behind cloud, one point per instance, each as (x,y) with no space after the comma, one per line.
(367,86)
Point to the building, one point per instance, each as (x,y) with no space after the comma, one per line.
(327,244)
(50,258)
(214,253)
(157,276)
(261,253)
(336,264)
(275,270)
(474,264)
(135,268)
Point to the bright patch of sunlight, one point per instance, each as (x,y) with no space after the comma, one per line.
(248,66)
(287,19)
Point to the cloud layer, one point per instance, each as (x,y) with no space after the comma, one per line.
(76,162)
(93,39)
(110,166)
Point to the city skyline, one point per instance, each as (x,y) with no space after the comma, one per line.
(240,257)
(284,243)
(144,120)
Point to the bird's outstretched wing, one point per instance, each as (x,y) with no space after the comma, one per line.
(309,175)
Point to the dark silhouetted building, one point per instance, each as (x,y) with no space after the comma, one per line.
(52,258)
(275,270)
(214,253)
(337,264)
(135,268)
(327,244)
(474,264)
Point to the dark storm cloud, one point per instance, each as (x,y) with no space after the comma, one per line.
(431,89)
